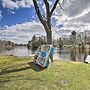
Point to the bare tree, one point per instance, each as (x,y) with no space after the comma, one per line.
(46,21)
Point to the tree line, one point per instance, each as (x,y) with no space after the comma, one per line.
(75,39)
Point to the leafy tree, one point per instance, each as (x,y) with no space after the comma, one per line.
(60,43)
(73,37)
(41,41)
(36,42)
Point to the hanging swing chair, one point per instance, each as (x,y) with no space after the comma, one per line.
(44,55)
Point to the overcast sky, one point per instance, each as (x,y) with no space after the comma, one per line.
(19,22)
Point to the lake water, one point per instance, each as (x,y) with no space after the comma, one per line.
(59,54)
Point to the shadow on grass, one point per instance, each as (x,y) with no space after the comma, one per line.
(35,67)
(5,71)
(31,65)
(4,81)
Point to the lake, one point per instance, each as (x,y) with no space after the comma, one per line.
(65,54)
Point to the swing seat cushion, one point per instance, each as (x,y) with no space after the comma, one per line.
(43,54)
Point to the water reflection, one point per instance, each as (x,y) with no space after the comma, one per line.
(73,54)
(65,54)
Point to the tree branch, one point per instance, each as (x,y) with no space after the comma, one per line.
(62,1)
(54,6)
(61,6)
(38,11)
(47,8)
(48,13)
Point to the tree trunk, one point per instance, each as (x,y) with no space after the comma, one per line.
(49,37)
(47,27)
(49,32)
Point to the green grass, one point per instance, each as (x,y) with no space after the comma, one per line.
(18,73)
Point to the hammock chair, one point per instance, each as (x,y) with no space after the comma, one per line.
(43,55)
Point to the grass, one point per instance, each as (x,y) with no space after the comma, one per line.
(20,73)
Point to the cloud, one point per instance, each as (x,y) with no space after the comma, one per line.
(73,10)
(12,12)
(9,4)
(17,4)
(1,15)
(85,11)
(75,17)
(21,33)
(24,3)
(77,7)
(76,26)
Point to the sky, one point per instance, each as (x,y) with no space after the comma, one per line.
(19,22)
